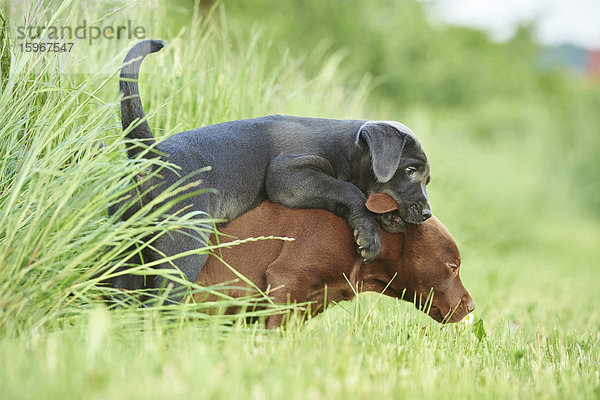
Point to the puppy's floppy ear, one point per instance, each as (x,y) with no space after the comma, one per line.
(385,146)
(381,203)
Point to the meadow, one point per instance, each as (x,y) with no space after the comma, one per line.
(514,176)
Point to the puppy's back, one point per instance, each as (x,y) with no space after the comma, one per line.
(319,237)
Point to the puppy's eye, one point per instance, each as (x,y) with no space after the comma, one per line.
(410,171)
(452,266)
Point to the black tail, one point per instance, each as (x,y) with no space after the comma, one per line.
(131,105)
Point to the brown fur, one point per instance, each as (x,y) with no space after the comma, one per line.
(323,251)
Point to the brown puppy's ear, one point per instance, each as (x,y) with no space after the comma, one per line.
(381,203)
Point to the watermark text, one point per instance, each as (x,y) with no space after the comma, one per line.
(82,31)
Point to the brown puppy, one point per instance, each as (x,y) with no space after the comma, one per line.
(312,267)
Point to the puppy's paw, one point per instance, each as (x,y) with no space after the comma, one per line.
(366,237)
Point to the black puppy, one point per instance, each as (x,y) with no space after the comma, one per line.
(298,162)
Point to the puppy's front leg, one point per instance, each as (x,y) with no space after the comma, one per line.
(308,181)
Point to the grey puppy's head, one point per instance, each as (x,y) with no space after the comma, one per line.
(400,169)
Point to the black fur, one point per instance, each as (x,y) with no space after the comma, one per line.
(295,161)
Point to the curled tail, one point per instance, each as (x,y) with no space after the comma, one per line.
(131,104)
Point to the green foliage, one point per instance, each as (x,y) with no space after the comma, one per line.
(414,62)
(479,330)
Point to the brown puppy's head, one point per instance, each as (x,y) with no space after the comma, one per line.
(425,258)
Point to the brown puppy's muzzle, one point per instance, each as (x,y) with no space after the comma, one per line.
(452,314)
(431,254)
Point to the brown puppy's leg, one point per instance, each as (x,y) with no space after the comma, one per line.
(320,254)
(288,288)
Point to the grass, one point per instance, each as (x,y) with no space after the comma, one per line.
(529,259)
(398,353)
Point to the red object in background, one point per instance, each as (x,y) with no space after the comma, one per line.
(593,64)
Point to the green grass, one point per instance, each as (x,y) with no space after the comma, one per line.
(397,354)
(530,253)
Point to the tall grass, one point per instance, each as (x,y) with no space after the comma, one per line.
(63,163)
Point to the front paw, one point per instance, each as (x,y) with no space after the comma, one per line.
(367,238)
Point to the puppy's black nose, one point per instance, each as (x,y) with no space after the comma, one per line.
(426,214)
